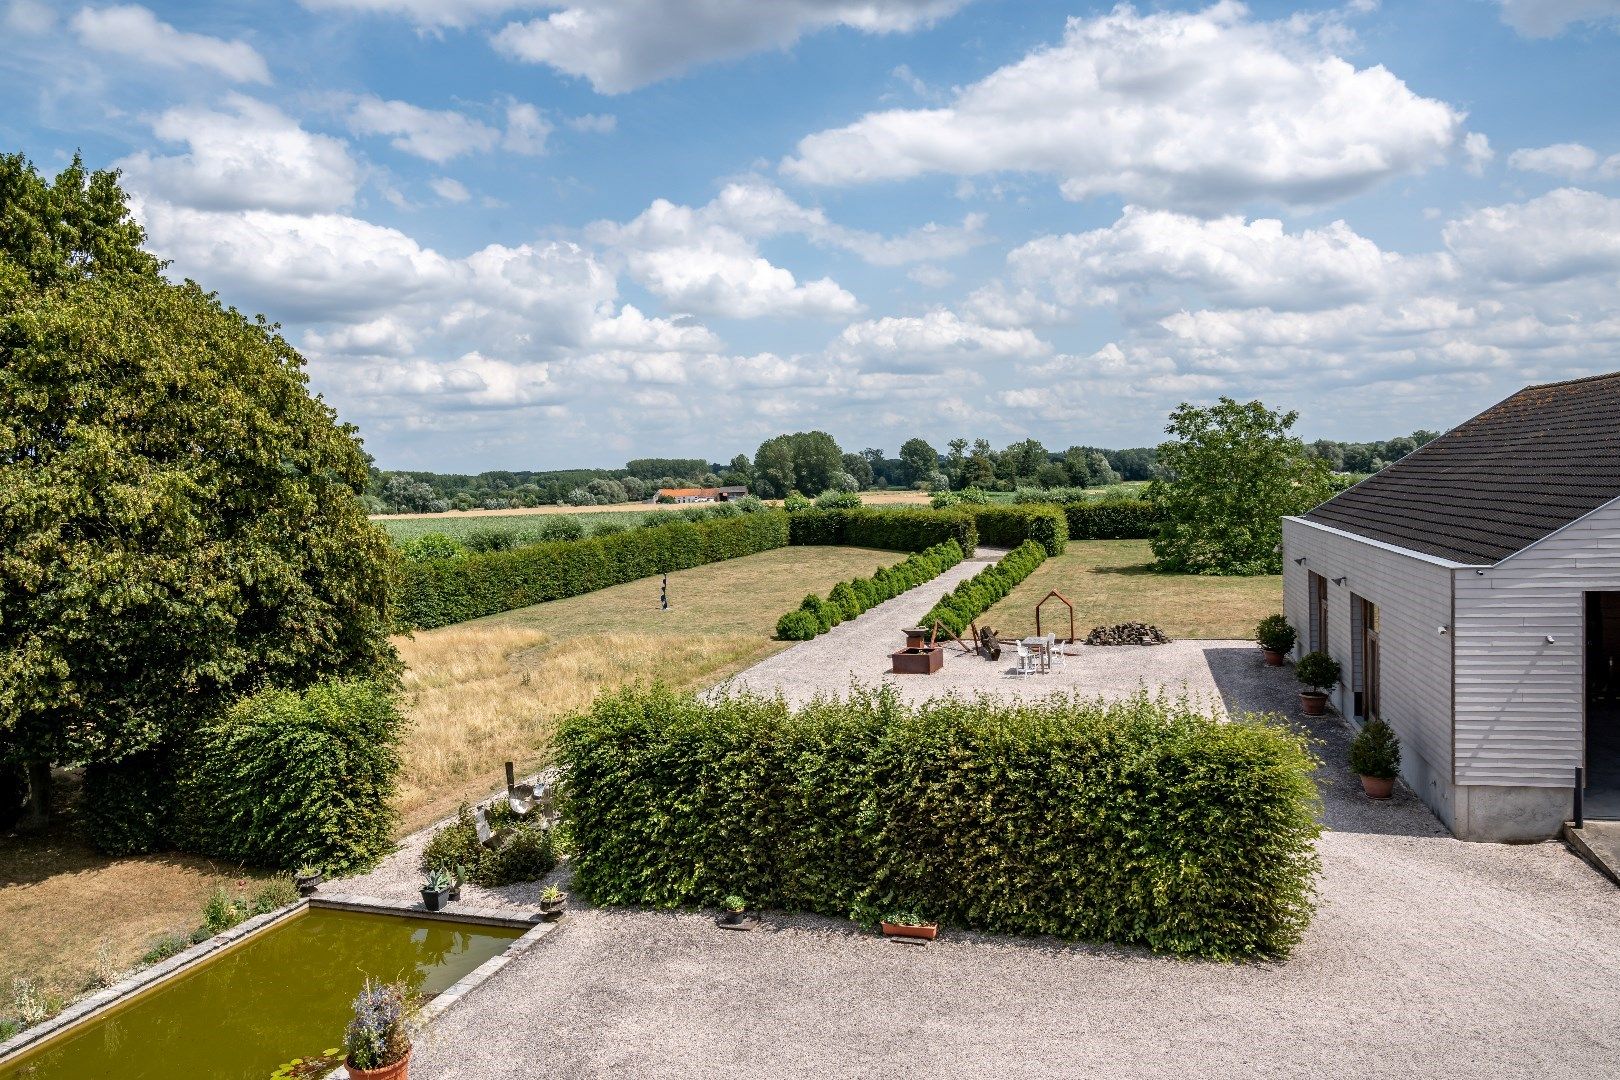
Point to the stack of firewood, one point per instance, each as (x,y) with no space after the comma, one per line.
(1129,633)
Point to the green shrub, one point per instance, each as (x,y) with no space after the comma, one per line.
(1137,821)
(286,778)
(489,539)
(1009,526)
(748,504)
(798,625)
(885,528)
(127,806)
(1275,634)
(833,499)
(973,597)
(1318,671)
(849,598)
(444,592)
(561,527)
(1112,519)
(528,854)
(430,546)
(796,502)
(1376,751)
(609,528)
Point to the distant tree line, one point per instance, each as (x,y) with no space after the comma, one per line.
(812,462)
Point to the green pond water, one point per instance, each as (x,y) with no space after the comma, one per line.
(284,993)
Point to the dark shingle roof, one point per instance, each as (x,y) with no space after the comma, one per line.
(1492,486)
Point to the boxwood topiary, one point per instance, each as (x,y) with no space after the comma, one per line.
(1275,634)
(1376,751)
(798,625)
(1318,671)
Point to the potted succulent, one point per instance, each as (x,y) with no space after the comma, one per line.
(908,924)
(436,890)
(1375,755)
(1317,671)
(377,1043)
(458,877)
(308,879)
(1275,637)
(736,915)
(552,902)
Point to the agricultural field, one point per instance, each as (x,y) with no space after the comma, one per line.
(525,525)
(1113,581)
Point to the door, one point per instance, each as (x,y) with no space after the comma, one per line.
(1369,660)
(1319,614)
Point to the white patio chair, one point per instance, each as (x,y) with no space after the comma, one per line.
(1054,655)
(1026,659)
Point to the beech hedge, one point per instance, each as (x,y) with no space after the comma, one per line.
(1113,519)
(973,597)
(889,529)
(441,592)
(1139,822)
(849,598)
(1010,525)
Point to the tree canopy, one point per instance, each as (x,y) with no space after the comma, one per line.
(1226,480)
(179,517)
(806,461)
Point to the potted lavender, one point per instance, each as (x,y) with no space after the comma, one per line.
(377,1044)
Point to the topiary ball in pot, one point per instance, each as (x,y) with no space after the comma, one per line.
(1318,672)
(1275,637)
(1375,755)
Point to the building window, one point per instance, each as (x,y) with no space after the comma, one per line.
(1319,613)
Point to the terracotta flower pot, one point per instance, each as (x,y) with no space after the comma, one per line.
(399,1070)
(927,931)
(1273,657)
(1376,788)
(1314,702)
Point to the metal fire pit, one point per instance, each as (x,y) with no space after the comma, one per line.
(919,657)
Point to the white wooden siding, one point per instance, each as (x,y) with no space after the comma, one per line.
(1413,594)
(1520,699)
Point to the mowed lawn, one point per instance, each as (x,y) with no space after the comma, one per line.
(1113,581)
(478,693)
(484,692)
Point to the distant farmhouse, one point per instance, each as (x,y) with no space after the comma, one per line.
(1471,592)
(699,495)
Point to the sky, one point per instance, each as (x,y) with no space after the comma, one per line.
(560,234)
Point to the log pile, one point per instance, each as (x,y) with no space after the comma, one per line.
(1129,633)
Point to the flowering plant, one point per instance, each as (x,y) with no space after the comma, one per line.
(377,1036)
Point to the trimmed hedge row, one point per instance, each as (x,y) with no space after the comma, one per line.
(896,529)
(973,597)
(1113,519)
(441,592)
(849,598)
(1137,821)
(1002,525)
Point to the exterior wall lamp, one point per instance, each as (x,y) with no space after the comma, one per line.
(1300,561)
(1444,629)
(1339,581)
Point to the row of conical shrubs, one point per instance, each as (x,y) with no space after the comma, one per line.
(848,599)
(959,607)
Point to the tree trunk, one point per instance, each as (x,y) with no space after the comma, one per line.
(38,813)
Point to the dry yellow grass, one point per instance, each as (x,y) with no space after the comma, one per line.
(1112,581)
(490,691)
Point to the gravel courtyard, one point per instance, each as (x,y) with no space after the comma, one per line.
(1427,956)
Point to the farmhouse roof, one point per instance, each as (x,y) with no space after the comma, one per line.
(676,493)
(1520,470)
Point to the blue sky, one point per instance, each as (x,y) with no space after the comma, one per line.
(534,235)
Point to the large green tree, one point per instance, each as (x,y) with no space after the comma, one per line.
(1225,482)
(921,459)
(806,461)
(180,519)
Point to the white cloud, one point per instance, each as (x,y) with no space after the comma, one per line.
(1549,18)
(1477,152)
(1563,234)
(1570,161)
(526,129)
(596,123)
(431,134)
(28,17)
(620,45)
(424,13)
(931,342)
(133,31)
(248,156)
(1197,110)
(449,189)
(931,276)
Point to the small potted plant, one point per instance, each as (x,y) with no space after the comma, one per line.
(736,916)
(377,1044)
(1317,672)
(1375,755)
(908,924)
(1275,637)
(308,879)
(552,902)
(436,890)
(458,877)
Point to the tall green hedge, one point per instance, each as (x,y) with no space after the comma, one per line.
(1113,519)
(441,592)
(1002,525)
(973,597)
(886,528)
(849,598)
(285,778)
(1139,822)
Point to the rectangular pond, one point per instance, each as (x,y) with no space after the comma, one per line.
(282,993)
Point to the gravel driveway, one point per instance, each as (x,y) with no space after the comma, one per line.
(1428,956)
